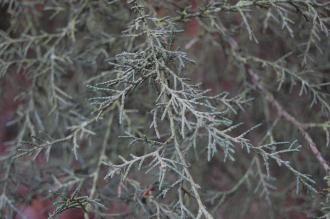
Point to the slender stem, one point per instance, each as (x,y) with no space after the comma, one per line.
(291,119)
(97,171)
(202,208)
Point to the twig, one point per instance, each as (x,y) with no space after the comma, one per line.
(282,112)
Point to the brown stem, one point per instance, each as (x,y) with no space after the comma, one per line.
(291,119)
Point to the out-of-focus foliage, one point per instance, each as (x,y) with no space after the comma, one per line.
(165,109)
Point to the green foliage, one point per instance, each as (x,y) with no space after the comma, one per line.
(122,104)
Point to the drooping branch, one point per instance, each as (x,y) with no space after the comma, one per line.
(291,119)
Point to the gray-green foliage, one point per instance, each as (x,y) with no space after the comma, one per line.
(114,107)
